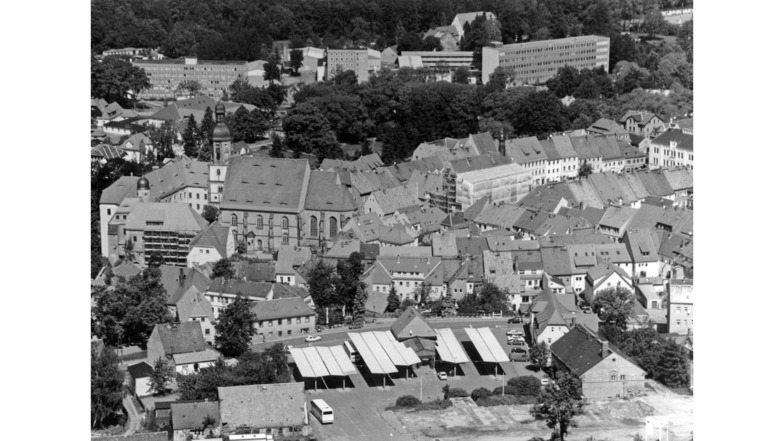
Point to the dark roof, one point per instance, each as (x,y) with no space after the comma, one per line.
(411,324)
(215,236)
(255,271)
(140,370)
(683,141)
(240,287)
(266,184)
(580,350)
(282,308)
(181,338)
(192,415)
(326,194)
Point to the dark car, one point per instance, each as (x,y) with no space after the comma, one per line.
(355,325)
(518,354)
(515,320)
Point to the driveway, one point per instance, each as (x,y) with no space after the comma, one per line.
(134,419)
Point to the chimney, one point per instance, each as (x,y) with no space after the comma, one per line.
(502,144)
(182,277)
(605,349)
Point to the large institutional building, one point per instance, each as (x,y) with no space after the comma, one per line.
(215,77)
(538,61)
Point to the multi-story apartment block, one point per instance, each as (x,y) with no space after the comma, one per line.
(283,317)
(406,274)
(680,314)
(673,148)
(443,59)
(348,59)
(215,77)
(538,61)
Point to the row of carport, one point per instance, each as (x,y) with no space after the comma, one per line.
(384,355)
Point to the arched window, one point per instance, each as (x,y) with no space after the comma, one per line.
(259,222)
(333,227)
(285,238)
(313,226)
(233,220)
(285,223)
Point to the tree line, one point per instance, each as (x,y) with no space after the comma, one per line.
(245,29)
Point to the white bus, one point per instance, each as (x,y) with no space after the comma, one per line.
(353,355)
(322,411)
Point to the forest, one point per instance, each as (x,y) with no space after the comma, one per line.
(245,29)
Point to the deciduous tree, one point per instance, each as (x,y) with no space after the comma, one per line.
(295,60)
(321,282)
(234,330)
(162,375)
(557,408)
(614,306)
(585,170)
(210,213)
(222,269)
(106,386)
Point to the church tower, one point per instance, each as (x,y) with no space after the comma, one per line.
(143,189)
(221,153)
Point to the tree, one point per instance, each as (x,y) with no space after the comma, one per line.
(407,401)
(235,329)
(222,268)
(207,126)
(557,408)
(321,282)
(155,260)
(191,138)
(358,308)
(348,281)
(163,139)
(188,88)
(422,293)
(393,300)
(277,146)
(614,306)
(272,68)
(585,169)
(494,299)
(106,386)
(411,41)
(210,213)
(461,75)
(128,314)
(672,368)
(527,385)
(162,374)
(295,60)
(498,81)
(115,79)
(538,354)
(431,43)
(539,114)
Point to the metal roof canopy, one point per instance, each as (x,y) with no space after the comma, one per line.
(487,345)
(448,348)
(315,362)
(369,357)
(406,356)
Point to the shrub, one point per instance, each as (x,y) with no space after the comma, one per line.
(480,393)
(456,393)
(434,405)
(407,401)
(525,385)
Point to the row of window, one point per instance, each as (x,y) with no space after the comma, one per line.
(270,323)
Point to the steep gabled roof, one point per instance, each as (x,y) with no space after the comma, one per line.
(181,338)
(215,236)
(326,194)
(580,350)
(281,308)
(411,324)
(266,184)
(186,416)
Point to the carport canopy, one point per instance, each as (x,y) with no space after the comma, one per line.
(448,348)
(381,352)
(487,345)
(315,362)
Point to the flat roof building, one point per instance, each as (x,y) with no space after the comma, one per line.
(357,60)
(447,59)
(215,77)
(538,61)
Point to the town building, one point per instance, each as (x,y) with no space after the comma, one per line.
(406,274)
(357,60)
(182,345)
(188,420)
(215,77)
(529,153)
(538,61)
(503,183)
(451,149)
(447,35)
(673,148)
(646,124)
(450,60)
(461,19)
(276,410)
(553,315)
(139,375)
(283,317)
(222,291)
(562,160)
(194,306)
(269,202)
(604,371)
(213,244)
(410,325)
(680,307)
(290,259)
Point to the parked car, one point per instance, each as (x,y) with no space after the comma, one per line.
(515,332)
(545,381)
(515,319)
(442,376)
(312,338)
(355,325)
(518,354)
(587,309)
(519,341)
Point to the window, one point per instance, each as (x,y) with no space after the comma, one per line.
(234,221)
(190,195)
(313,226)
(280,333)
(678,322)
(217,172)
(613,376)
(269,324)
(285,222)
(207,331)
(285,238)
(280,322)
(307,319)
(259,222)
(108,211)
(333,227)
(288,332)
(299,319)
(288,321)
(197,195)
(623,377)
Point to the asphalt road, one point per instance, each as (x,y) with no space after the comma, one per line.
(133,416)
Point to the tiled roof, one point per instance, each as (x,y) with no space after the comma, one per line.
(266,184)
(192,415)
(640,117)
(471,246)
(393,199)
(683,141)
(168,113)
(106,151)
(175,176)
(367,162)
(609,147)
(563,146)
(411,324)
(119,190)
(180,338)
(502,215)
(255,271)
(429,218)
(126,269)
(377,302)
(482,162)
(583,191)
(156,216)
(205,356)
(604,125)
(647,217)
(655,183)
(282,308)
(140,370)
(290,257)
(525,150)
(215,236)
(679,179)
(325,194)
(241,287)
(263,405)
(580,350)
(194,304)
(586,147)
(639,241)
(617,217)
